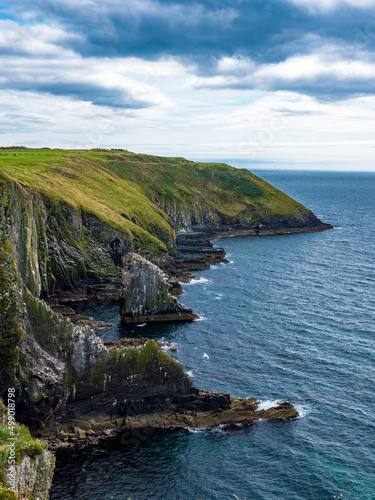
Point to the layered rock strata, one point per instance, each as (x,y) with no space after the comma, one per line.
(195,251)
(145,295)
(197,409)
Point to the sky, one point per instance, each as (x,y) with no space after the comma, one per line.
(255,83)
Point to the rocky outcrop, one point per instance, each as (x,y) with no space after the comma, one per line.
(210,409)
(199,410)
(195,251)
(33,476)
(145,296)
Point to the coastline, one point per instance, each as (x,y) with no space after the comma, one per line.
(271,232)
(54,254)
(205,254)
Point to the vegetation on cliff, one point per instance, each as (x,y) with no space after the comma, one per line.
(25,445)
(146,197)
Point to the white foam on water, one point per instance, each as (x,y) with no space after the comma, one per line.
(195,281)
(167,348)
(266,405)
(194,430)
(219,429)
(191,373)
(201,318)
(303,411)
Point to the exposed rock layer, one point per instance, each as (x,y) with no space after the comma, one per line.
(145,295)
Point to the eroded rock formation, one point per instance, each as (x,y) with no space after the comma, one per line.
(145,295)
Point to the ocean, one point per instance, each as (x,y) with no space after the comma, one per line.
(290,317)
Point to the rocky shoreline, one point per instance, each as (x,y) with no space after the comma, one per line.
(70,385)
(204,410)
(195,250)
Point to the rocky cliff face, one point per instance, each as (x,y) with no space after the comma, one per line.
(33,476)
(208,220)
(54,245)
(64,371)
(145,295)
(61,370)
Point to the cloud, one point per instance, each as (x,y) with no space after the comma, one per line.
(123,83)
(330,73)
(209,34)
(199,78)
(329,5)
(33,40)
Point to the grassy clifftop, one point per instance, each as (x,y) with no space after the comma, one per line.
(137,193)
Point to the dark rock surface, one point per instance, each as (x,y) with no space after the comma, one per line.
(195,251)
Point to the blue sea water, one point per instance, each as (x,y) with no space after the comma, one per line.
(290,317)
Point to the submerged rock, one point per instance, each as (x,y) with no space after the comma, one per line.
(145,296)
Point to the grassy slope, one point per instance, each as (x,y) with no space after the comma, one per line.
(120,187)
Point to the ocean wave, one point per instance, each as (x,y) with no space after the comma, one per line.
(195,430)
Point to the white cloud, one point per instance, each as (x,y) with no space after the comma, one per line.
(128,82)
(40,40)
(328,5)
(322,69)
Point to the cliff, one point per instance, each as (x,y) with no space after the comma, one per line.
(115,224)
(147,199)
